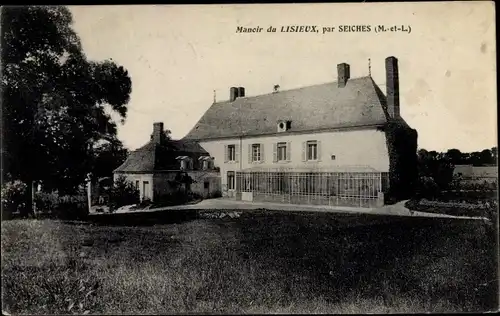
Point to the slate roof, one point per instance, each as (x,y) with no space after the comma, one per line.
(156,157)
(312,108)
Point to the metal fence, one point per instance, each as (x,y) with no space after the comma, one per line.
(312,187)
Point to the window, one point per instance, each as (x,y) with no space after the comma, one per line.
(185,163)
(206,162)
(282,151)
(283,126)
(231,153)
(137,184)
(230,180)
(312,150)
(256,152)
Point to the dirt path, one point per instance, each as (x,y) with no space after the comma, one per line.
(397,209)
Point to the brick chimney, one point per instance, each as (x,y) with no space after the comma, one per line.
(241,92)
(158,134)
(343,73)
(233,94)
(392,84)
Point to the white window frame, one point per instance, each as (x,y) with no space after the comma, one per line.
(281,151)
(231,153)
(310,154)
(256,152)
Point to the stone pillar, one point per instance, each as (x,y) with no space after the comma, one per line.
(380,199)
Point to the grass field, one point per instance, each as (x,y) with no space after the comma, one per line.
(261,262)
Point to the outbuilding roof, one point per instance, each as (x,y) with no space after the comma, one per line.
(158,157)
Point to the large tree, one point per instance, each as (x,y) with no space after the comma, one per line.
(54,99)
(107,157)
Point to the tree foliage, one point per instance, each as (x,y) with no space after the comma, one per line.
(476,158)
(123,192)
(14,198)
(402,145)
(55,101)
(440,165)
(107,157)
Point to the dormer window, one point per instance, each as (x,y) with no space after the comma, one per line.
(206,162)
(186,163)
(283,125)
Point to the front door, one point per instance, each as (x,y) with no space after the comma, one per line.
(231,184)
(145,190)
(206,188)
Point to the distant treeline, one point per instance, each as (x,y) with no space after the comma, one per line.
(486,157)
(440,165)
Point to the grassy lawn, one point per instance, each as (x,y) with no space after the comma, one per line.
(261,262)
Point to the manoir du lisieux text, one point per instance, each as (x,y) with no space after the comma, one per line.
(381,28)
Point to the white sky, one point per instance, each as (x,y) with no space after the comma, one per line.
(177,55)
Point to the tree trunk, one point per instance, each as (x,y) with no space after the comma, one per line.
(33,203)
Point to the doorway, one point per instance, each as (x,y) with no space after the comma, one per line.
(206,188)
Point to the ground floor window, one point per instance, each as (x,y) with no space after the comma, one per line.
(230,180)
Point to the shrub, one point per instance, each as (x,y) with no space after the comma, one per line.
(176,198)
(427,187)
(216,194)
(145,202)
(64,207)
(72,207)
(123,193)
(15,198)
(46,202)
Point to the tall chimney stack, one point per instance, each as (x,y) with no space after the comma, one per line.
(233,94)
(392,86)
(343,73)
(158,135)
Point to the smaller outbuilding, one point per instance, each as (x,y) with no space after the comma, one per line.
(163,166)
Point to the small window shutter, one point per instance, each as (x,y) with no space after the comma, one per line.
(236,153)
(288,151)
(225,153)
(261,152)
(249,153)
(319,150)
(304,151)
(275,152)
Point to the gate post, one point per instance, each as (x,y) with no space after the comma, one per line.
(380,199)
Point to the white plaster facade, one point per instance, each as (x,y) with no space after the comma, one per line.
(341,150)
